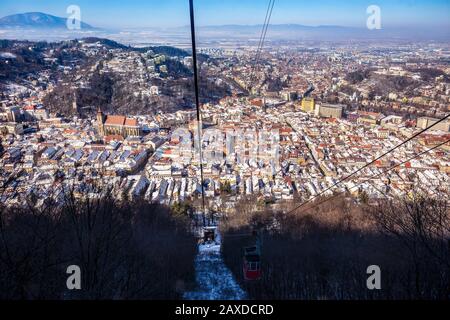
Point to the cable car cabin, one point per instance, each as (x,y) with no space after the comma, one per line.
(209,234)
(252,264)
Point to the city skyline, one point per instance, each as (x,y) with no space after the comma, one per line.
(174,13)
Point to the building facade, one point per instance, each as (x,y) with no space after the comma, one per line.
(425,122)
(308,104)
(329,110)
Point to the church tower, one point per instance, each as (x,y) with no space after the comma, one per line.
(75,104)
(100,122)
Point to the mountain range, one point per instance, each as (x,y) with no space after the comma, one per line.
(51,28)
(37,20)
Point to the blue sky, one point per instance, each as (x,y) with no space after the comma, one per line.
(172,13)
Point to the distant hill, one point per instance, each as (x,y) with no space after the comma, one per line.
(37,20)
(280,32)
(275,27)
(321,32)
(111,44)
(166,50)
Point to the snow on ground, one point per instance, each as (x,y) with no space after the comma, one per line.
(214,280)
(15,88)
(7,55)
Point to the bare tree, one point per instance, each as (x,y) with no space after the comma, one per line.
(422,225)
(322,250)
(125,250)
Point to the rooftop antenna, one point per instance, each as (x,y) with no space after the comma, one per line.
(197,104)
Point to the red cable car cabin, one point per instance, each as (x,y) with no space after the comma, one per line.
(252,264)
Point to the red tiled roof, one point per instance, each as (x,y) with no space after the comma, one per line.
(113,137)
(257,102)
(70,131)
(131,122)
(115,120)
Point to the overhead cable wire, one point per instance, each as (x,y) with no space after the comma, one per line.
(374,176)
(373,161)
(197,104)
(262,38)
